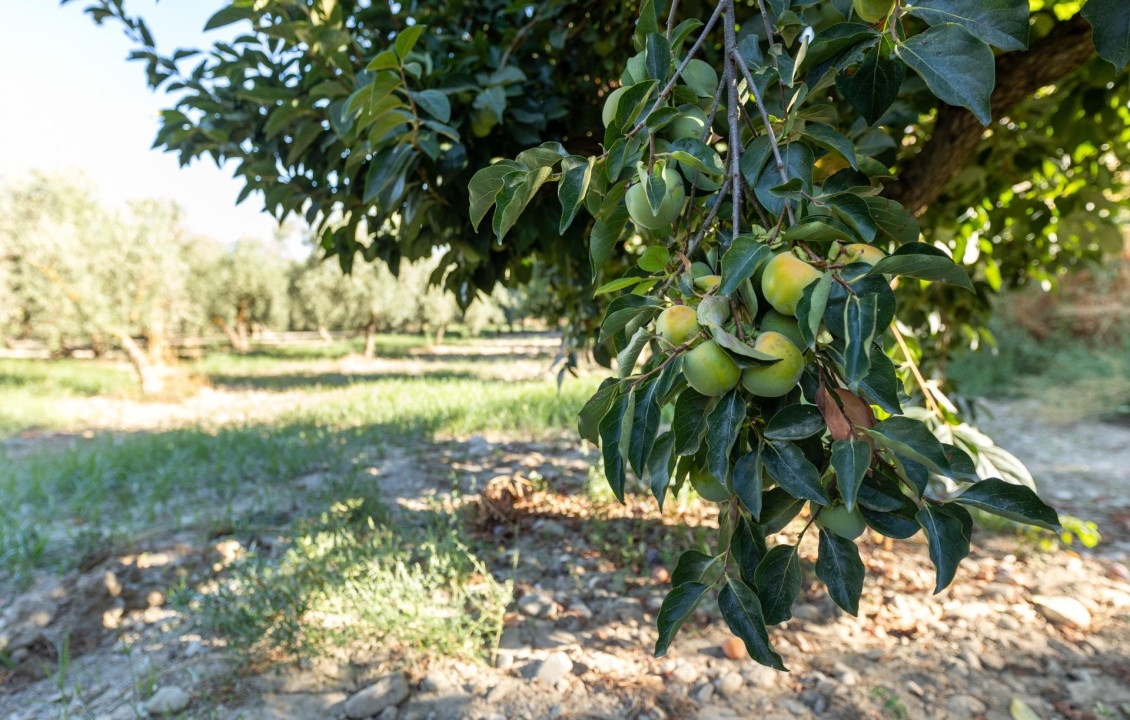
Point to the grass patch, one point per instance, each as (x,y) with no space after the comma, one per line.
(57,508)
(348,575)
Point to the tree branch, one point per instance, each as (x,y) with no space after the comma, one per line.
(956,132)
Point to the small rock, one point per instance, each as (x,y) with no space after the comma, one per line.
(807,612)
(1118,571)
(193,649)
(731,684)
(389,713)
(538,605)
(915,688)
(389,691)
(1061,610)
(964,706)
(436,682)
(168,700)
(704,693)
(581,610)
(762,677)
(685,674)
(796,708)
(550,529)
(553,669)
(733,648)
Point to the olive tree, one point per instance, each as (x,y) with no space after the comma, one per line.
(244,289)
(77,273)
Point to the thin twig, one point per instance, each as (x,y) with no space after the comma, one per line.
(679,70)
(926,392)
(738,62)
(734,110)
(671,17)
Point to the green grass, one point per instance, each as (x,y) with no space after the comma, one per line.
(29,387)
(58,507)
(350,574)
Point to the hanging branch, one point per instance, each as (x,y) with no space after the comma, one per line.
(734,112)
(738,62)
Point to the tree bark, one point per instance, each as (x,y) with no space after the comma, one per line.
(238,342)
(371,337)
(440,331)
(150,375)
(956,132)
(324,334)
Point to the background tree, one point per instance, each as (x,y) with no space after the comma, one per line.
(245,290)
(78,274)
(328,117)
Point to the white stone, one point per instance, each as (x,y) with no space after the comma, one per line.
(389,691)
(1061,610)
(553,668)
(731,684)
(168,700)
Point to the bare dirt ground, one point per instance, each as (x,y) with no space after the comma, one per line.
(1022,627)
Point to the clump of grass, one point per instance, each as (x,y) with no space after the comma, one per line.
(347,575)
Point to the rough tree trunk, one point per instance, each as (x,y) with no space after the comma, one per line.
(371,337)
(238,342)
(151,376)
(324,334)
(440,331)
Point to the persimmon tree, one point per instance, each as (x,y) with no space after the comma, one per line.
(368,119)
(768,196)
(760,306)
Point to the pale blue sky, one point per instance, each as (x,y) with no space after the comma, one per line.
(70,100)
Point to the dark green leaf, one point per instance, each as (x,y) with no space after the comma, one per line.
(605,232)
(854,211)
(741,261)
(881,384)
(645,423)
(957,67)
(778,583)
(798,160)
(406,39)
(850,459)
(947,533)
(576,174)
(897,524)
(611,432)
(838,566)
(694,153)
(742,612)
(658,60)
(588,420)
(435,103)
(1000,23)
(787,465)
(925,262)
(722,430)
(874,85)
(484,187)
(676,608)
(747,483)
(1110,21)
(860,326)
(1015,502)
(778,508)
(829,139)
(811,308)
(893,220)
(691,412)
(747,546)
(795,422)
(691,567)
(837,38)
(659,466)
(912,439)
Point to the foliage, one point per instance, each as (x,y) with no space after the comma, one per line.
(77,274)
(765,434)
(378,114)
(244,288)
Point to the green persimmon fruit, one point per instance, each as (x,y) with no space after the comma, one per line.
(841,521)
(787,326)
(690,123)
(640,210)
(707,283)
(701,77)
(611,105)
(710,371)
(707,486)
(872,11)
(483,122)
(784,281)
(677,324)
(859,252)
(778,379)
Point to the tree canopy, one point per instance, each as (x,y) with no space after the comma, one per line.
(379,114)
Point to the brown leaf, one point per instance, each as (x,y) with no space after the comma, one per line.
(856,409)
(838,425)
